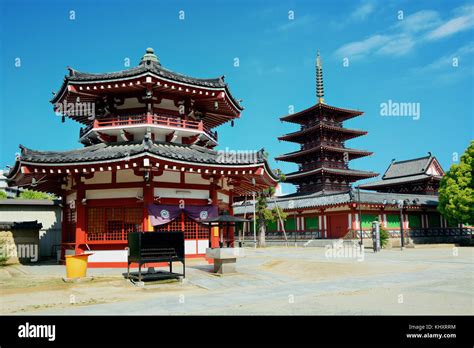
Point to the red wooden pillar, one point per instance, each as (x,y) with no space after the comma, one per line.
(215,230)
(147,199)
(63,227)
(80,216)
(323,223)
(355,221)
(231,212)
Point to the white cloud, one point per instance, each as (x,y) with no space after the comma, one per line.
(401,38)
(361,48)
(296,23)
(363,11)
(359,14)
(455,25)
(462,54)
(397,46)
(419,21)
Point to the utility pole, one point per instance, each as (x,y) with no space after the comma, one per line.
(360,220)
(401,204)
(402,239)
(254,220)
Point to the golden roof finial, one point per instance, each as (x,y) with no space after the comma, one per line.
(319,80)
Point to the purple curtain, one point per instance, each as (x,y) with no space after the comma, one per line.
(161,214)
(201,212)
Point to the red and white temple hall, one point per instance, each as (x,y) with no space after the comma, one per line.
(147,162)
(325,204)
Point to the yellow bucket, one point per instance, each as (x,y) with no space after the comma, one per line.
(76,265)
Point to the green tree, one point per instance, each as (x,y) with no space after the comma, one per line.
(3,195)
(456,191)
(265,215)
(29,194)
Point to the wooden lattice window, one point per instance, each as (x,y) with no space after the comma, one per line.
(194,230)
(175,225)
(191,228)
(96,220)
(111,224)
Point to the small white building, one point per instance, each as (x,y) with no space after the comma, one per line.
(46,212)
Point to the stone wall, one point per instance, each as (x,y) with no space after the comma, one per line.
(19,242)
(46,212)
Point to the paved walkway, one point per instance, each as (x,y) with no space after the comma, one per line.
(280,280)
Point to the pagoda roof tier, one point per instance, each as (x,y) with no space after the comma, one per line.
(321,199)
(212,96)
(408,171)
(397,181)
(300,136)
(302,117)
(48,167)
(299,156)
(359,174)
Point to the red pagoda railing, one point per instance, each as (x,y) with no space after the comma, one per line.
(152,119)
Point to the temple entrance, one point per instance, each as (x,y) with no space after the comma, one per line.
(337,225)
(196,235)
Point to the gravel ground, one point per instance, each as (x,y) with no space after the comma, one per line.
(275,280)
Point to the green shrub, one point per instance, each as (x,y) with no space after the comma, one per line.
(3,256)
(384,236)
(3,195)
(30,194)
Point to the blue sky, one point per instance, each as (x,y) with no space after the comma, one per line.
(402,56)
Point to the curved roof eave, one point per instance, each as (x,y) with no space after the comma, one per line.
(102,77)
(13,171)
(290,117)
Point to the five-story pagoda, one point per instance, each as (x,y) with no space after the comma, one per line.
(323,158)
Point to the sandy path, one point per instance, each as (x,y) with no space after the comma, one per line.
(270,281)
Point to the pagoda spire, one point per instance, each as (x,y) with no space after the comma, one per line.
(319,80)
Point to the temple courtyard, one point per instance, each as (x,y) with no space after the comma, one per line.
(436,279)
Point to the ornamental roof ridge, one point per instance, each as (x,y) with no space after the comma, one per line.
(288,117)
(117,151)
(146,66)
(410,167)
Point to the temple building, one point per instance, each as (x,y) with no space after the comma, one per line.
(419,175)
(147,162)
(325,204)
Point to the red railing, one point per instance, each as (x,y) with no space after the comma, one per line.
(159,120)
(147,119)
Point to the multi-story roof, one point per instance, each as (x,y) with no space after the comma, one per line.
(323,157)
(418,175)
(147,119)
(317,200)
(31,165)
(211,96)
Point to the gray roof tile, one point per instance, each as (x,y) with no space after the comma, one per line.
(315,200)
(401,180)
(101,152)
(142,68)
(405,168)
